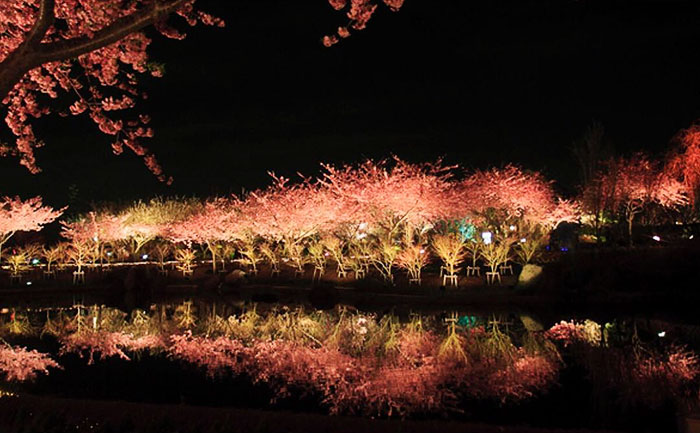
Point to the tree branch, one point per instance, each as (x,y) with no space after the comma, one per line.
(44,20)
(71,48)
(22,59)
(32,53)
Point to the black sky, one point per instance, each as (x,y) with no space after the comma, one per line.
(481,83)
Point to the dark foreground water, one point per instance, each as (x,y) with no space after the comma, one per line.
(625,373)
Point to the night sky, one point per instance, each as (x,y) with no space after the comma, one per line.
(480,83)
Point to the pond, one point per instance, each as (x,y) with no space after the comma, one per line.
(631,373)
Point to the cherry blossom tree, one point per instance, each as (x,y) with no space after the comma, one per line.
(632,184)
(520,194)
(216,222)
(684,163)
(291,213)
(29,215)
(90,51)
(386,196)
(90,233)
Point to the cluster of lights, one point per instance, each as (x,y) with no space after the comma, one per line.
(486,236)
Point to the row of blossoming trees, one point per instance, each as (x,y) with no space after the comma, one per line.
(381,216)
(375,215)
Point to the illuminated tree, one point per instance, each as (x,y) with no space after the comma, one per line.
(94,231)
(318,254)
(450,248)
(413,257)
(635,183)
(684,163)
(290,212)
(518,194)
(359,13)
(294,255)
(29,215)
(52,255)
(91,51)
(185,259)
(599,198)
(336,249)
(387,196)
(291,215)
(383,256)
(227,251)
(272,252)
(78,253)
(473,247)
(161,249)
(214,223)
(144,221)
(18,262)
(496,252)
(532,238)
(251,253)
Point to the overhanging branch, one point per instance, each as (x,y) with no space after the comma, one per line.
(71,48)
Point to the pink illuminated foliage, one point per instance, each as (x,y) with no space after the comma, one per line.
(215,222)
(19,364)
(95,227)
(292,212)
(520,194)
(411,379)
(358,12)
(91,53)
(28,215)
(684,163)
(628,186)
(675,373)
(106,344)
(388,194)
